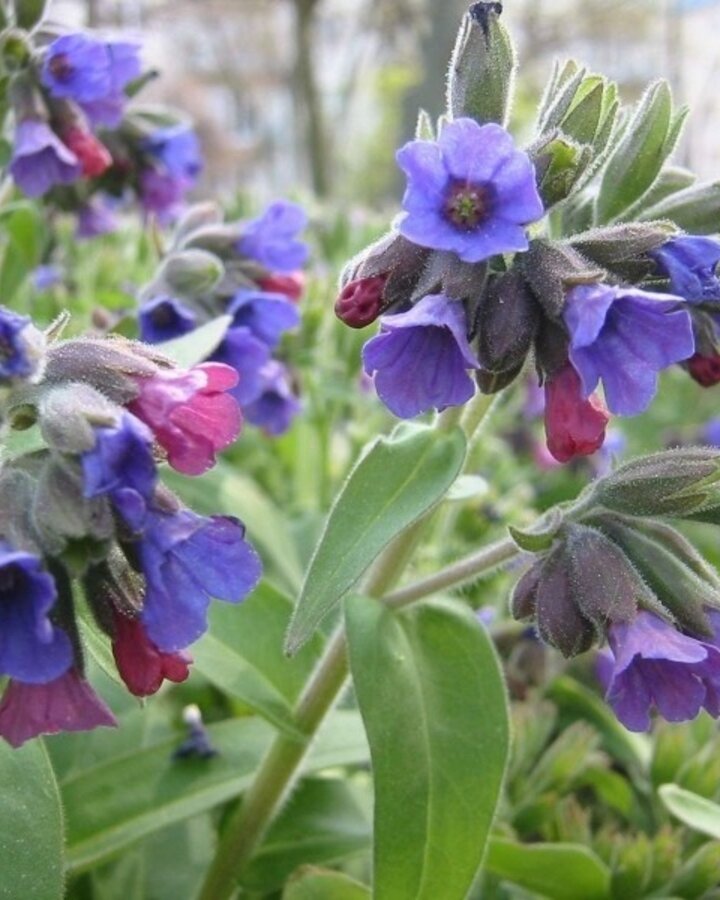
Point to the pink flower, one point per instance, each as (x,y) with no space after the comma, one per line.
(94,156)
(291,285)
(574,426)
(66,704)
(142,666)
(190,414)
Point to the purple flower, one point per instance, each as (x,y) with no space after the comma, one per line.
(186,559)
(176,150)
(66,704)
(710,433)
(46,276)
(690,263)
(266,315)
(421,357)
(162,193)
(95,218)
(121,465)
(272,238)
(625,336)
(656,665)
(20,355)
(92,72)
(40,159)
(277,406)
(32,649)
(471,191)
(241,350)
(164,318)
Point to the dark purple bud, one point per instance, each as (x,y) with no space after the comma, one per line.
(395,257)
(492,382)
(623,249)
(523,599)
(559,619)
(361,302)
(704,368)
(507,321)
(551,269)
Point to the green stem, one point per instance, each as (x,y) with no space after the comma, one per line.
(282,763)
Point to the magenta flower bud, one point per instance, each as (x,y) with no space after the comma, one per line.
(574,426)
(704,368)
(93,155)
(361,301)
(190,413)
(66,704)
(141,664)
(291,285)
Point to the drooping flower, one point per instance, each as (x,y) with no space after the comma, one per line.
(32,648)
(66,704)
(21,346)
(574,426)
(704,368)
(690,262)
(421,357)
(164,318)
(93,155)
(176,150)
(40,160)
(141,665)
(624,337)
(162,193)
(277,405)
(471,192)
(247,355)
(360,301)
(266,315)
(272,238)
(656,665)
(186,559)
(92,72)
(191,413)
(95,218)
(292,285)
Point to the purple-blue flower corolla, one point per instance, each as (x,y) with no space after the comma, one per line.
(471,191)
(624,337)
(40,160)
(92,72)
(186,560)
(656,665)
(277,405)
(177,150)
(32,648)
(95,218)
(690,262)
(164,318)
(162,193)
(246,354)
(266,315)
(19,351)
(421,357)
(272,238)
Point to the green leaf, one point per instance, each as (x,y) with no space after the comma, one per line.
(195,346)
(696,209)
(25,234)
(539,538)
(322,823)
(693,810)
(433,700)
(311,883)
(119,802)
(637,159)
(397,480)
(29,12)
(242,655)
(559,871)
(31,828)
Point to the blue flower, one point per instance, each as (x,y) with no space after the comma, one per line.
(471,191)
(277,406)
(20,355)
(690,263)
(186,559)
(625,337)
(164,318)
(40,160)
(266,315)
(95,218)
(177,150)
(655,665)
(32,648)
(162,193)
(46,276)
(92,72)
(421,357)
(272,238)
(247,355)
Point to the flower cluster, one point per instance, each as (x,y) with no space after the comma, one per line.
(250,271)
(76,143)
(88,514)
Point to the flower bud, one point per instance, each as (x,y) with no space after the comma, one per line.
(551,269)
(507,321)
(15,50)
(523,599)
(704,368)
(69,413)
(393,256)
(93,155)
(191,272)
(360,302)
(623,249)
(482,67)
(492,382)
(559,619)
(559,164)
(574,426)
(195,217)
(292,285)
